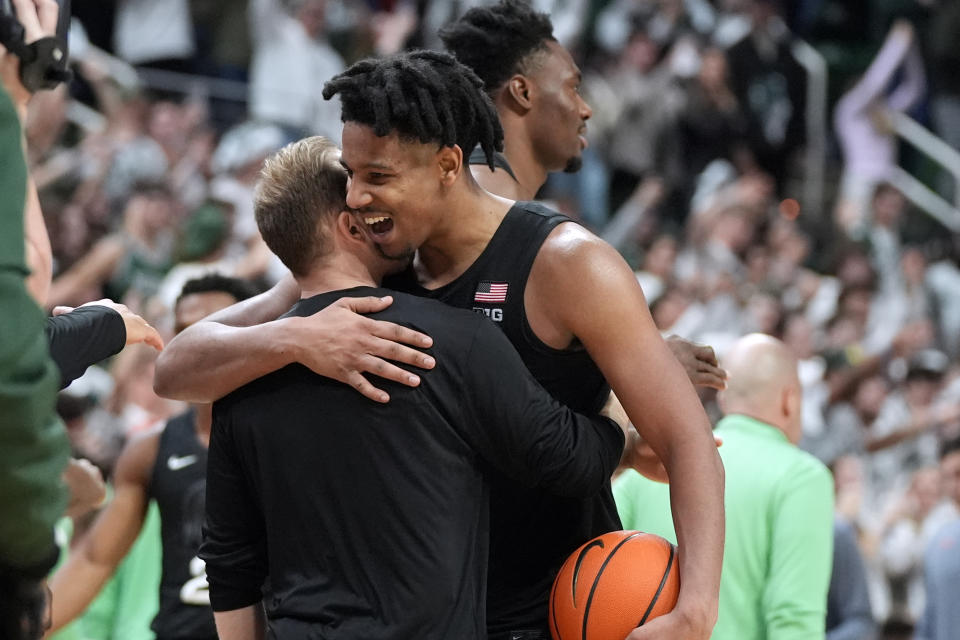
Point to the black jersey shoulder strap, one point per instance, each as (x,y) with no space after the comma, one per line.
(478,156)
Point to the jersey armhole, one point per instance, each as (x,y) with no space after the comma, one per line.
(554,220)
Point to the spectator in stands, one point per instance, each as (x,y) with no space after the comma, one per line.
(771,86)
(291,61)
(910,523)
(941,616)
(130,261)
(849,616)
(155,33)
(869,148)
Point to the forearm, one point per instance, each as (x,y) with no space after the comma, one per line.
(522,430)
(249,623)
(696,498)
(82,338)
(209,360)
(907,431)
(39,251)
(891,55)
(74,586)
(913,84)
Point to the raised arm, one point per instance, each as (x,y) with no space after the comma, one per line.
(231,347)
(881,70)
(90,565)
(606,311)
(913,83)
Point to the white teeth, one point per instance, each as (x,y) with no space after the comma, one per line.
(375,220)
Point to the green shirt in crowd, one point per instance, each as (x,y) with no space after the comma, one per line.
(128,603)
(33,443)
(779,543)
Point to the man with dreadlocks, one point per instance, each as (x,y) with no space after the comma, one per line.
(567,301)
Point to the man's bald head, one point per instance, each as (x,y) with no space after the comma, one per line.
(763,383)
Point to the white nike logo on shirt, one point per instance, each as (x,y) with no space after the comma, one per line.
(175,463)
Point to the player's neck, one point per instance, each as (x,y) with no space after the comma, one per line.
(334,273)
(473,216)
(530,174)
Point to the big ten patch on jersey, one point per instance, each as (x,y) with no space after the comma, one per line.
(487,295)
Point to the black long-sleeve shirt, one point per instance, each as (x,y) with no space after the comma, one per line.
(85,336)
(372,520)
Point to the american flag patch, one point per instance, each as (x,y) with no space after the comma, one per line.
(491,292)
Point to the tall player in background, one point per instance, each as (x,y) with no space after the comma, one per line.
(567,301)
(167,464)
(534,83)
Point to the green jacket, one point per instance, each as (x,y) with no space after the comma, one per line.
(779,542)
(33,443)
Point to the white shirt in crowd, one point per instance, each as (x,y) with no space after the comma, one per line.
(148,30)
(288,71)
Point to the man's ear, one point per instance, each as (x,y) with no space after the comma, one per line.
(348,227)
(517,91)
(450,164)
(787,402)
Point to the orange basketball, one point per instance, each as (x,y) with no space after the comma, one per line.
(613,584)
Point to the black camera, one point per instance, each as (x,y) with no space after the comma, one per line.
(43,64)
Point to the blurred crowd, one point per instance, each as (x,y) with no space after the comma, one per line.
(695,170)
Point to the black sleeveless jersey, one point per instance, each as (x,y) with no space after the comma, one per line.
(478,156)
(178,484)
(531,532)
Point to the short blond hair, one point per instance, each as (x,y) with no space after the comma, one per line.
(300,187)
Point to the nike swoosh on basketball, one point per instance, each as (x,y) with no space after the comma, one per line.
(179,462)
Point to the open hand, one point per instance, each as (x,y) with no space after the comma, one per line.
(339,343)
(700,362)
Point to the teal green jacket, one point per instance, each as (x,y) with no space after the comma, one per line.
(33,443)
(779,543)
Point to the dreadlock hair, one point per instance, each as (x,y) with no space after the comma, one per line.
(499,41)
(424,96)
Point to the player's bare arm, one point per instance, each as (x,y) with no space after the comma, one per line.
(581,289)
(247,340)
(104,546)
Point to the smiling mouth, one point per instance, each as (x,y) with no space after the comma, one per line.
(378,225)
